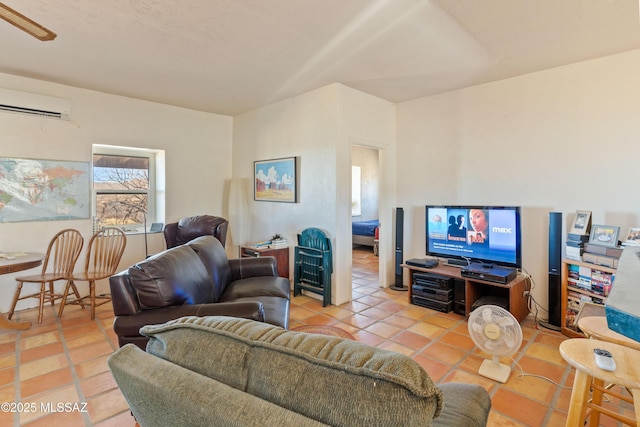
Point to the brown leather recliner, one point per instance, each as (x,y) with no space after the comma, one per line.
(196,279)
(187,229)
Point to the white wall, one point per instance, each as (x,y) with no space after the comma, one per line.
(367,160)
(367,121)
(562,140)
(318,127)
(197,147)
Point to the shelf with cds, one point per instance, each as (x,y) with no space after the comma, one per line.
(582,282)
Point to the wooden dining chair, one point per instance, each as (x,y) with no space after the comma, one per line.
(59,261)
(103,255)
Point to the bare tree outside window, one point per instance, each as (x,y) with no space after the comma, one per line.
(121,184)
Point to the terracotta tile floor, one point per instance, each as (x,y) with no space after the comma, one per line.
(64,360)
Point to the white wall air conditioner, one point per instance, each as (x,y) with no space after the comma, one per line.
(33,104)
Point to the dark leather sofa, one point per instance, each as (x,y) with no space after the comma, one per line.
(196,279)
(187,229)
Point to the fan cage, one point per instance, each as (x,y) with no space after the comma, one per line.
(510,337)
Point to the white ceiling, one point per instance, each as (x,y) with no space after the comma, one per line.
(232,56)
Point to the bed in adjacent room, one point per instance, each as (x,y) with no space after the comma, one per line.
(366,233)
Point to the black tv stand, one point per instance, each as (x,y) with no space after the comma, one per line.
(454,262)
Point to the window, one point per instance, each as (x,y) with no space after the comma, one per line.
(124,187)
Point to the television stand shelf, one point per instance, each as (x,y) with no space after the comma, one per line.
(513,292)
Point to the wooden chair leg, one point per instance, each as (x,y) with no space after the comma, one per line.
(43,289)
(74,288)
(64,297)
(15,300)
(579,396)
(52,294)
(92,286)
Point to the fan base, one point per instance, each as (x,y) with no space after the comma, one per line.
(495,370)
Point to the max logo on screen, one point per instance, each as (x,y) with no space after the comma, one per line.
(501,230)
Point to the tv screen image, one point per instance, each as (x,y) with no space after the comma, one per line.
(487,234)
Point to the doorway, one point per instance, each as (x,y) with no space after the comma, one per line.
(365,208)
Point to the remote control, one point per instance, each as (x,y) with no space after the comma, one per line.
(604,359)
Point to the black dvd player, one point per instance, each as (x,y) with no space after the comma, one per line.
(424,263)
(489,273)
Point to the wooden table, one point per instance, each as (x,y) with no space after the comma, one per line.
(596,327)
(19,263)
(280,254)
(578,352)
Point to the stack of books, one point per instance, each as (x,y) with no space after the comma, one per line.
(278,243)
(575,244)
(262,245)
(602,255)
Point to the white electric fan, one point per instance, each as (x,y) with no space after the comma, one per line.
(496,332)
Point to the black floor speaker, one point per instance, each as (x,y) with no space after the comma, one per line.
(399,251)
(555,266)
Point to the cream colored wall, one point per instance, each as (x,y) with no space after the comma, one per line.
(318,127)
(367,160)
(557,140)
(197,147)
(367,121)
(302,127)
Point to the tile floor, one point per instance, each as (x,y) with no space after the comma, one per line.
(64,360)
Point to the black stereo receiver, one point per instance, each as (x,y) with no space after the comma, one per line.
(429,292)
(430,279)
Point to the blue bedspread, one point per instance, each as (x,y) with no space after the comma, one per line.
(365,228)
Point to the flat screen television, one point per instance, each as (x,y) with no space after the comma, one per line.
(485,234)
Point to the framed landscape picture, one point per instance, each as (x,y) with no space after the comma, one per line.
(604,235)
(275,180)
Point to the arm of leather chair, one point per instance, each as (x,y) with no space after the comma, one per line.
(221,232)
(170,233)
(242,268)
(129,326)
(123,297)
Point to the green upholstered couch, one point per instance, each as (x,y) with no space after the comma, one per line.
(222,371)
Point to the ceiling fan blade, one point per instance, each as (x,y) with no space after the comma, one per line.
(25,24)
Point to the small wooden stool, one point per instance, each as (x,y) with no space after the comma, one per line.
(596,327)
(578,353)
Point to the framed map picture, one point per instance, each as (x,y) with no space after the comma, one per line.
(43,190)
(275,180)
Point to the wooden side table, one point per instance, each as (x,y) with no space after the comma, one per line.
(596,327)
(280,254)
(18,263)
(578,352)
